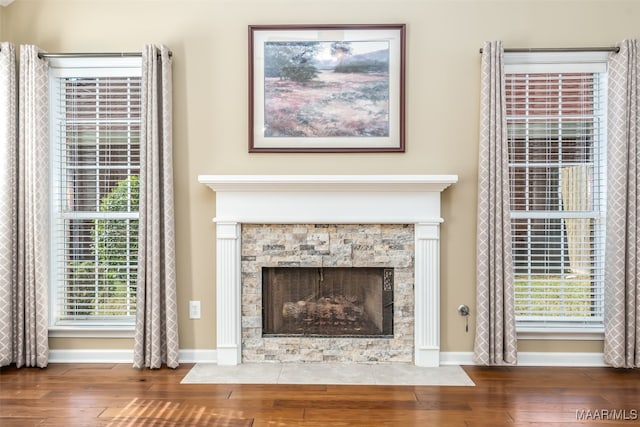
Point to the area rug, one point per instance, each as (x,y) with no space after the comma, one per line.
(327,373)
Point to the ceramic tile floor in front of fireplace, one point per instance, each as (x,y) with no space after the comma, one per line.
(327,373)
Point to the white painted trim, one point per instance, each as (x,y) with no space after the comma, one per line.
(447,358)
(560,359)
(427,295)
(198,356)
(561,335)
(320,183)
(533,359)
(124,356)
(91,332)
(549,62)
(228,293)
(91,356)
(456,358)
(95,67)
(5,2)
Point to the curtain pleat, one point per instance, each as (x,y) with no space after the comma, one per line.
(8,194)
(495,337)
(156,335)
(31,277)
(622,279)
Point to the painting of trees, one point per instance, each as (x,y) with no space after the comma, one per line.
(291,60)
(325,89)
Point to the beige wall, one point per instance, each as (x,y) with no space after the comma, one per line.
(209,42)
(2,25)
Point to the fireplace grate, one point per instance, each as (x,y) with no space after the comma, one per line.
(328,302)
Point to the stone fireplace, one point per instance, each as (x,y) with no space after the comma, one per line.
(328,226)
(320,292)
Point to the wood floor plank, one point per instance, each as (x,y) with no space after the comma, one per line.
(365,393)
(115,395)
(16,392)
(22,411)
(403,417)
(373,405)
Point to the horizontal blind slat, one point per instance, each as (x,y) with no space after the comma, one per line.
(98,162)
(554,128)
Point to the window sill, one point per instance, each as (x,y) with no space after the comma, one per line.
(91,332)
(560,333)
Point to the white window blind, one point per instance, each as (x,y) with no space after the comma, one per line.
(95,193)
(556,135)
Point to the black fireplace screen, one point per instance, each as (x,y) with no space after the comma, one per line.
(327,302)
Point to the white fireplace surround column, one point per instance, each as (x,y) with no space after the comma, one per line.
(328,199)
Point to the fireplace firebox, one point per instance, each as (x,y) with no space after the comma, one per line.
(327,302)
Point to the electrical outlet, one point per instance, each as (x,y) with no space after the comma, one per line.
(194,309)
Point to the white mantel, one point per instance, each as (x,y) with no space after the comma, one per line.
(328,199)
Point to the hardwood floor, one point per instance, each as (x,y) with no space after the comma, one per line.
(118,395)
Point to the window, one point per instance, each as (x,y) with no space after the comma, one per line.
(95,163)
(556,124)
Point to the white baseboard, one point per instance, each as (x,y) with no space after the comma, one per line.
(198,356)
(561,359)
(446,358)
(123,356)
(456,358)
(532,359)
(90,356)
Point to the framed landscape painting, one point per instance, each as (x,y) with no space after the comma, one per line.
(326,88)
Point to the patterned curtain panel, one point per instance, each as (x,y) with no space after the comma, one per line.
(495,339)
(31,286)
(156,336)
(8,194)
(622,280)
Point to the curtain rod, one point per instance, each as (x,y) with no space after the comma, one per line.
(614,49)
(92,55)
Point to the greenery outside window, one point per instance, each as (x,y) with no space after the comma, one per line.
(95,164)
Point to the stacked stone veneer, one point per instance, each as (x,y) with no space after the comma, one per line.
(386,245)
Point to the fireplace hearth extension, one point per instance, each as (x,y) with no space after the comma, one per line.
(328,199)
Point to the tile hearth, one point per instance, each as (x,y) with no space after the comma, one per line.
(327,373)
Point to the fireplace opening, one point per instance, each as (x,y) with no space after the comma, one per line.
(327,301)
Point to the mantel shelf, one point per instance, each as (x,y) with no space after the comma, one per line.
(310,183)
